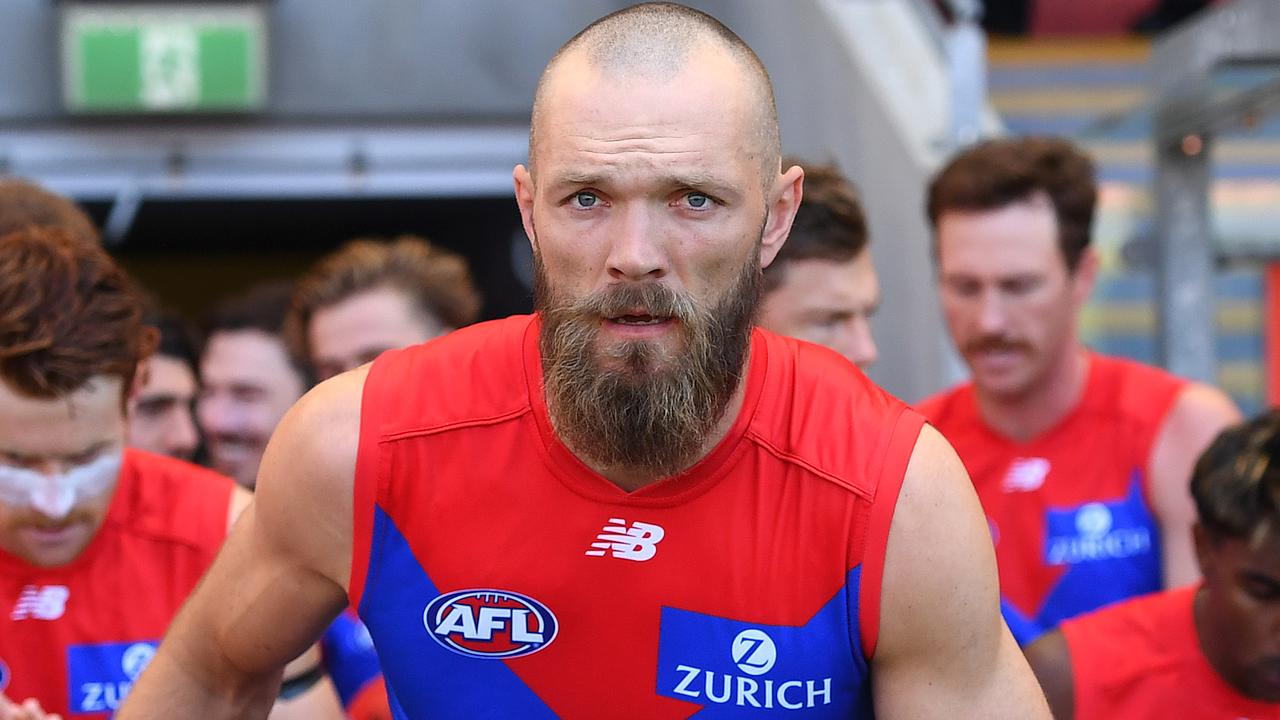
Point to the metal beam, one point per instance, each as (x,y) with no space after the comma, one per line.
(1189,109)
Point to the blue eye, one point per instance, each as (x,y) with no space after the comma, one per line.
(585,199)
(697,200)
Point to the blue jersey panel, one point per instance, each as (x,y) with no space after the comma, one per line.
(349,656)
(735,668)
(457,686)
(1111,552)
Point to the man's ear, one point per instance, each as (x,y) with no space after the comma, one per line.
(1085,276)
(523,181)
(140,377)
(783,201)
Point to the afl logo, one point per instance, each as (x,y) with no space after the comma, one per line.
(490,623)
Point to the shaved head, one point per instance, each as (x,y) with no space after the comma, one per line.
(654,41)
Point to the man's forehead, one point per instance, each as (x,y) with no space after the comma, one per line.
(70,424)
(248,356)
(700,107)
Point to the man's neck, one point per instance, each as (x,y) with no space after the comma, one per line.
(1025,416)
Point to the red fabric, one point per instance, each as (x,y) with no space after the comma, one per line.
(1142,659)
(765,529)
(167,520)
(1092,454)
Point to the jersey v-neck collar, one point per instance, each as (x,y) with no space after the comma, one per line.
(695,481)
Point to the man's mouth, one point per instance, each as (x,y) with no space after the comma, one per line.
(639,319)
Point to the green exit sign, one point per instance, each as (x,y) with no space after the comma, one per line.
(168,58)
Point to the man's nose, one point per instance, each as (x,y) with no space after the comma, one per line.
(636,250)
(992,315)
(183,436)
(862,350)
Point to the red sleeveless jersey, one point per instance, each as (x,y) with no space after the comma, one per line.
(1069,509)
(500,577)
(75,637)
(1142,659)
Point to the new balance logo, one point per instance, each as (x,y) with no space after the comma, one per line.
(47,602)
(1026,475)
(638,542)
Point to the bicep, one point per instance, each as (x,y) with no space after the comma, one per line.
(1196,418)
(944,650)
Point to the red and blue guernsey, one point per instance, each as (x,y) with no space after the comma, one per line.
(501,578)
(1069,510)
(76,637)
(1143,659)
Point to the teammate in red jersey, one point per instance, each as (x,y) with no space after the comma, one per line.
(632,504)
(1210,650)
(99,545)
(1081,461)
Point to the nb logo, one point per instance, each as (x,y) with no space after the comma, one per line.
(638,542)
(1026,475)
(754,652)
(47,602)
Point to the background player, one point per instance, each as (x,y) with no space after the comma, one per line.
(822,286)
(1081,461)
(1206,650)
(370,296)
(248,380)
(161,412)
(99,545)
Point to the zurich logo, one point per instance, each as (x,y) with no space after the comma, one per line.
(490,623)
(136,658)
(1093,520)
(754,652)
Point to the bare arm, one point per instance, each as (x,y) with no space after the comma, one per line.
(1050,659)
(240,500)
(279,580)
(1197,416)
(944,651)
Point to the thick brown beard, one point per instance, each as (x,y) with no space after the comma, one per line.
(637,405)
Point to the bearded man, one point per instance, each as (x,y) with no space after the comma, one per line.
(630,504)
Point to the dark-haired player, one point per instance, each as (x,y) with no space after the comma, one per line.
(1209,650)
(822,286)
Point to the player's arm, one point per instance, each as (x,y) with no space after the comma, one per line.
(1196,418)
(943,649)
(240,500)
(279,579)
(1050,659)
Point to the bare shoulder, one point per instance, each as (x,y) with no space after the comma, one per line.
(939,562)
(325,423)
(305,485)
(1201,405)
(943,649)
(1198,414)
